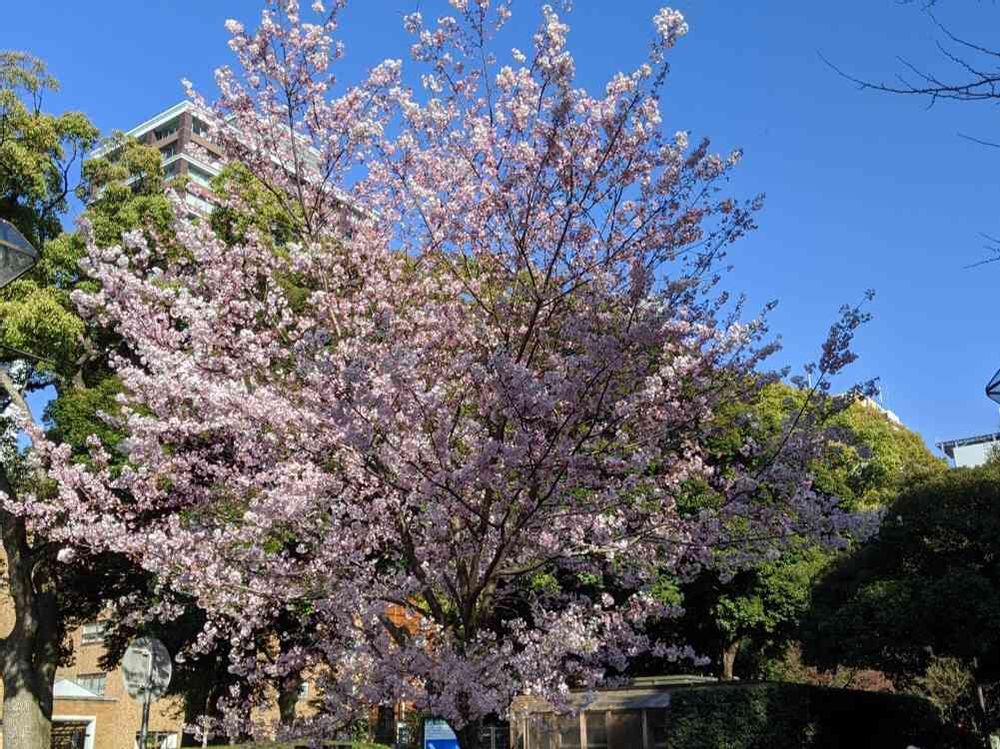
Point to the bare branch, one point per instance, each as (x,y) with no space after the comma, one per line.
(976,84)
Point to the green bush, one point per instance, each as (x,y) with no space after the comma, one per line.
(801,716)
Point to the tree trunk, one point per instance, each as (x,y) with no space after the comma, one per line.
(729,653)
(30,653)
(27,714)
(288,697)
(469,736)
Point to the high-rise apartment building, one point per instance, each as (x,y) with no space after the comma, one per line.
(180,133)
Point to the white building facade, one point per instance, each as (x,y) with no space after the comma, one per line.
(971,451)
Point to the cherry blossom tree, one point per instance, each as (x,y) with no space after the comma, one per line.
(491,349)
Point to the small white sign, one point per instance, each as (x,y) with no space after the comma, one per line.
(146,669)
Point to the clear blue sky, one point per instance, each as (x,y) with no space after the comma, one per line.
(863,190)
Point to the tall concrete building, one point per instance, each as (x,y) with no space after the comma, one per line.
(180,134)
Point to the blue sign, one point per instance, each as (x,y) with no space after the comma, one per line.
(438,735)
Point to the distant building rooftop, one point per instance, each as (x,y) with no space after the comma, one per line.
(970,451)
(876,406)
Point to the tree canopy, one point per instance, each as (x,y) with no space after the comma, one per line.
(928,584)
(493,345)
(754,611)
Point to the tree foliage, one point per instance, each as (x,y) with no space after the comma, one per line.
(38,150)
(493,350)
(754,612)
(927,587)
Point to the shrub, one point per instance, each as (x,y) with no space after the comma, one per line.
(800,716)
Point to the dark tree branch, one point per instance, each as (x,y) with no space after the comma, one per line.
(976,84)
(992,246)
(980,141)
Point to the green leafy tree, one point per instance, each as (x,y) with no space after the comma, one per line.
(756,609)
(46,348)
(874,458)
(926,588)
(38,152)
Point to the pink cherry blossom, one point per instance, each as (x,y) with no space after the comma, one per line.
(494,349)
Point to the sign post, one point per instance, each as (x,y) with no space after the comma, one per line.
(146,671)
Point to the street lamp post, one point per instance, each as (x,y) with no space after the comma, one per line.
(17,256)
(146,672)
(993,388)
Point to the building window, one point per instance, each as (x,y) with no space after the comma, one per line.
(597,730)
(167,151)
(71,734)
(569,732)
(656,727)
(167,130)
(198,127)
(498,736)
(93,632)
(95,683)
(624,728)
(304,690)
(198,205)
(200,176)
(159,740)
(543,733)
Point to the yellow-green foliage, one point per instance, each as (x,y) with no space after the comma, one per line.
(868,461)
(38,155)
(38,152)
(871,457)
(876,459)
(127,189)
(37,149)
(270,218)
(75,414)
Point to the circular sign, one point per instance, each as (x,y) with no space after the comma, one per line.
(146,669)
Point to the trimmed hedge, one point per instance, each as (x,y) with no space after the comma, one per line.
(800,716)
